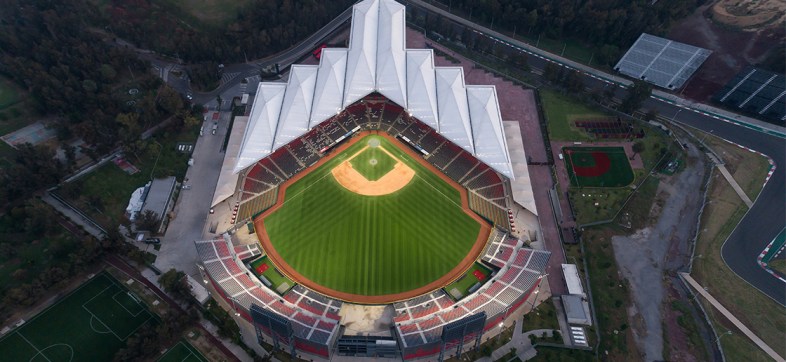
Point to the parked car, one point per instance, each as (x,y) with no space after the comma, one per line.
(152,241)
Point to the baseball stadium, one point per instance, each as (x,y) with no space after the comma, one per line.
(374,179)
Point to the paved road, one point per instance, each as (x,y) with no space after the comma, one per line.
(768,215)
(191,210)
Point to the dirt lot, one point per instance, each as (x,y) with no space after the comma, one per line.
(750,15)
(647,255)
(732,50)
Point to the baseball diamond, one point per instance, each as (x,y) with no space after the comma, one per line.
(598,166)
(417,236)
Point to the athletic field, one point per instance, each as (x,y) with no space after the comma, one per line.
(182,352)
(90,324)
(264,267)
(460,288)
(410,233)
(598,166)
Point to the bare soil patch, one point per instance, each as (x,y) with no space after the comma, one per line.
(732,49)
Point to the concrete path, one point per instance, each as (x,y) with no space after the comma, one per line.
(72,215)
(717,305)
(731,180)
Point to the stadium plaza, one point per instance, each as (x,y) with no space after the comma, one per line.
(373,200)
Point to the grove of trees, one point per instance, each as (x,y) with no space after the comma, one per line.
(608,25)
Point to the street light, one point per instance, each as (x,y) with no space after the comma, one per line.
(499,336)
(717,340)
(234,306)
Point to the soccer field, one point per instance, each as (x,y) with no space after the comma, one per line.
(182,352)
(90,324)
(598,166)
(372,245)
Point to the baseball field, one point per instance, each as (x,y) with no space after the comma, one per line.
(598,166)
(372,221)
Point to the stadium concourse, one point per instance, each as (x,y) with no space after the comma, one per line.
(374,85)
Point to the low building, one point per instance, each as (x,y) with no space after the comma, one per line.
(576,310)
(158,199)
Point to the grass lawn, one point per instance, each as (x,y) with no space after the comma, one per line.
(543,317)
(778,265)
(270,273)
(746,303)
(104,193)
(215,13)
(91,323)
(372,245)
(561,111)
(182,352)
(373,163)
(610,292)
(9,93)
(563,354)
(748,169)
(476,274)
(598,166)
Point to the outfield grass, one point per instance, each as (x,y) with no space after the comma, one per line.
(372,245)
(373,163)
(90,324)
(758,312)
(561,111)
(468,280)
(610,164)
(182,352)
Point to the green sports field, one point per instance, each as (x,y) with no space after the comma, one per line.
(598,166)
(460,288)
(182,352)
(90,324)
(264,267)
(371,245)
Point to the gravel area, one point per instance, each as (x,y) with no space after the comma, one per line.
(648,254)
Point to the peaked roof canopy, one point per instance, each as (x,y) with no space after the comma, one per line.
(377,61)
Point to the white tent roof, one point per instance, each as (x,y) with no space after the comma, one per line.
(454,121)
(362,56)
(296,109)
(487,128)
(391,58)
(421,92)
(329,90)
(261,128)
(377,61)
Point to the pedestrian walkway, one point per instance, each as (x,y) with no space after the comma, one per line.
(718,306)
(74,215)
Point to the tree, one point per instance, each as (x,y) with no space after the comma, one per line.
(638,147)
(148,221)
(636,95)
(651,115)
(175,283)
